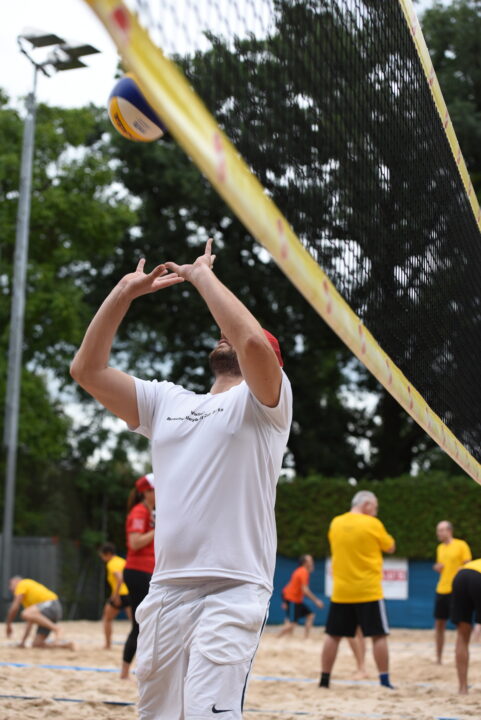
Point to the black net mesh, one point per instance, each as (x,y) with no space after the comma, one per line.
(328,103)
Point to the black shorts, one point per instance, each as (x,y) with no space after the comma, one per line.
(296,611)
(344,618)
(466,597)
(124,602)
(442,606)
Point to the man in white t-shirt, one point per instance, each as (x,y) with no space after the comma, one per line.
(216,459)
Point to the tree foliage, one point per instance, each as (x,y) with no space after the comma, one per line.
(410,508)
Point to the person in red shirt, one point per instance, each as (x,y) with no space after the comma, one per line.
(140,560)
(293,596)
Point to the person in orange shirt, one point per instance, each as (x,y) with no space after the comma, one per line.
(293,596)
(451,555)
(358,540)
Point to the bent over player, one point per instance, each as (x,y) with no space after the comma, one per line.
(216,459)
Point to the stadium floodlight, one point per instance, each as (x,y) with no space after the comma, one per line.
(62,57)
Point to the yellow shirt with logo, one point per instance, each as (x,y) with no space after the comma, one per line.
(357,543)
(34,592)
(452,555)
(473,565)
(116,564)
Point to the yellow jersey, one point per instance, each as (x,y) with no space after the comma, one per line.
(452,556)
(33,592)
(473,565)
(116,564)
(357,543)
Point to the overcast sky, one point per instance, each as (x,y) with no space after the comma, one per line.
(75,22)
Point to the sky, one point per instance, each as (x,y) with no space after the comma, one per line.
(73,21)
(76,23)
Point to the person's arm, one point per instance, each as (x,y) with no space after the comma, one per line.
(257,360)
(116,591)
(139,540)
(391,550)
(26,633)
(113,388)
(12,613)
(438,566)
(315,600)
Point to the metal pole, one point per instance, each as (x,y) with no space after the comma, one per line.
(12,403)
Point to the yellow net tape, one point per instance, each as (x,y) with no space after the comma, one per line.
(194,128)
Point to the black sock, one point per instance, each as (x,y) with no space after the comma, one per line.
(325,677)
(384,680)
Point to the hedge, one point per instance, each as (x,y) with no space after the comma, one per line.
(410,507)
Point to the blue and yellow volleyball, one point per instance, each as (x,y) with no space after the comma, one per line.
(131,114)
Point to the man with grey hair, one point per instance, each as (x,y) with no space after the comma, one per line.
(451,555)
(358,540)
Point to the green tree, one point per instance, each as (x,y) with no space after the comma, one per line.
(78,218)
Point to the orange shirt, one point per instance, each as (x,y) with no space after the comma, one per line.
(140,520)
(293,591)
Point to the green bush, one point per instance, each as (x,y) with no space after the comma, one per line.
(410,507)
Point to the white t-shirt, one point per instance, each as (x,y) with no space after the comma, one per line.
(216,460)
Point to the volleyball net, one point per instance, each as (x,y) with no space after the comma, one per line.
(322,125)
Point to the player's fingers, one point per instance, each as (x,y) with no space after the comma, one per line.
(212,258)
(140,265)
(158,271)
(172,266)
(208,247)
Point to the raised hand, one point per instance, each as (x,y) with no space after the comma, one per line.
(187,272)
(140,283)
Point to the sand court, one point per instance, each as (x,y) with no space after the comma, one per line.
(38,684)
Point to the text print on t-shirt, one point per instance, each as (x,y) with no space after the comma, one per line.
(195,416)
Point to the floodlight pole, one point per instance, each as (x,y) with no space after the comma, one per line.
(64,58)
(12,401)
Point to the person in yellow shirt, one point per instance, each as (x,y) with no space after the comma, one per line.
(358,540)
(119,596)
(41,607)
(466,603)
(451,555)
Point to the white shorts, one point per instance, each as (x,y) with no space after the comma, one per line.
(195,649)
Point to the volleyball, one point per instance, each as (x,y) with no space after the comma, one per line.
(131,114)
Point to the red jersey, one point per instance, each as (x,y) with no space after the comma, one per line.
(140,520)
(293,590)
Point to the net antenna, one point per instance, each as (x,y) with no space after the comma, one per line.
(344,165)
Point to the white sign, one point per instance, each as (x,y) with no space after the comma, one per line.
(395,578)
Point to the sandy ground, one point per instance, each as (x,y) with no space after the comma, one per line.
(76,685)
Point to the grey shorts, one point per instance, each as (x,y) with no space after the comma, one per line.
(52,610)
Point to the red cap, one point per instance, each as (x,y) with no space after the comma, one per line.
(146,482)
(275,346)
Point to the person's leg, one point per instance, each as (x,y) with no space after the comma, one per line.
(358,647)
(341,622)
(329,653)
(287,629)
(222,649)
(33,615)
(381,653)
(476,634)
(463,635)
(373,621)
(308,624)
(439,632)
(138,585)
(109,614)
